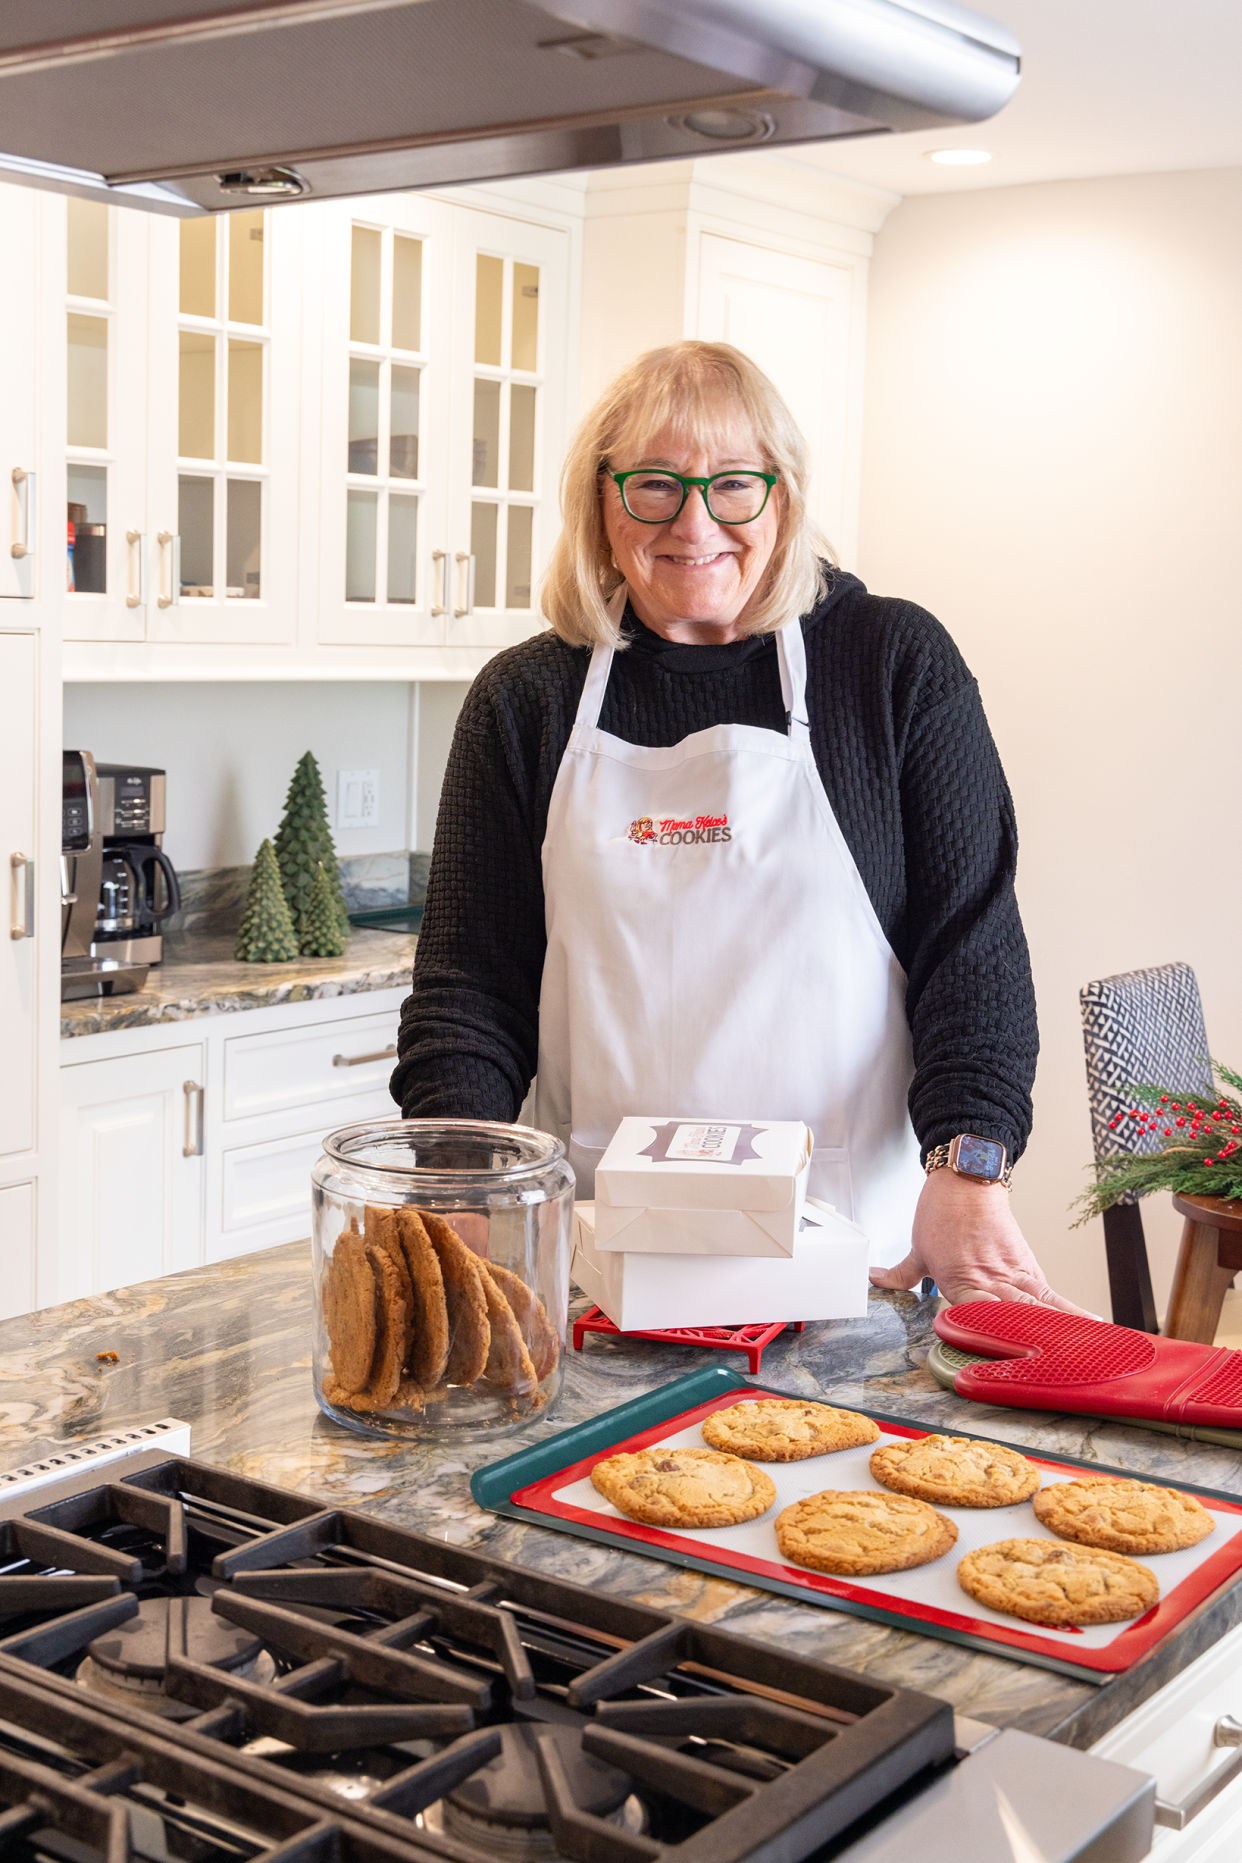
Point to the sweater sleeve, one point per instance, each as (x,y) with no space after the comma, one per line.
(970,998)
(468,1041)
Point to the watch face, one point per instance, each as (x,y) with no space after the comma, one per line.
(980,1157)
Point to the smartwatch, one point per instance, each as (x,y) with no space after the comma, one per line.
(984,1161)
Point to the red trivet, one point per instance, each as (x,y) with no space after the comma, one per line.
(748,1339)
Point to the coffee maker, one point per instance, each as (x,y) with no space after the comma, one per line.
(82,972)
(137,883)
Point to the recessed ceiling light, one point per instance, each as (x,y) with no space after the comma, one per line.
(959,158)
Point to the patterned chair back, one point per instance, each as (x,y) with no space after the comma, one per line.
(1139,1029)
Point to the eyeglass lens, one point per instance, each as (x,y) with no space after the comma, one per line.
(733,498)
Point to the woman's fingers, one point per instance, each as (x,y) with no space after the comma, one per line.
(907,1273)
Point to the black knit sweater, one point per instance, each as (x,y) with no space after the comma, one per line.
(910,769)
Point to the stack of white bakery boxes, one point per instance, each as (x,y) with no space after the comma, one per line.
(707,1223)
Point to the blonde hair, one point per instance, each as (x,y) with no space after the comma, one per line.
(701,392)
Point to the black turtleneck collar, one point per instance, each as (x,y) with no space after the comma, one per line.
(680,657)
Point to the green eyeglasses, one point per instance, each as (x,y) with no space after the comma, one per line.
(730,497)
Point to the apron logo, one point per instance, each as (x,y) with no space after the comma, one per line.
(669,832)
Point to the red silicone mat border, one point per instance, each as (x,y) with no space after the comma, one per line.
(1125,1650)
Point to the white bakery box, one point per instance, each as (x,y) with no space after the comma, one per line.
(825,1278)
(702,1187)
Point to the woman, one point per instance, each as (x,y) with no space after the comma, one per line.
(732,840)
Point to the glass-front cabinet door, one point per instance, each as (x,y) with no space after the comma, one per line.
(387,334)
(225,427)
(444,361)
(19,479)
(107,546)
(507,433)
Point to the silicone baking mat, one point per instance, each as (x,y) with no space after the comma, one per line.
(555,1488)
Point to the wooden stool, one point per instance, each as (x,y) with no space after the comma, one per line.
(1209,1257)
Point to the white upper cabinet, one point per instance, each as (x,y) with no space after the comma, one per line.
(18,478)
(182,409)
(508,428)
(226,311)
(444,404)
(386,370)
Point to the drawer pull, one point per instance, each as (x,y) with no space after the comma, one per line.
(193,1147)
(1226,1733)
(360,1060)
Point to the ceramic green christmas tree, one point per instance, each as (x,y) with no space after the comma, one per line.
(266,934)
(304,844)
(321,936)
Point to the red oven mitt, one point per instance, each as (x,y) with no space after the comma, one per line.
(1047,1360)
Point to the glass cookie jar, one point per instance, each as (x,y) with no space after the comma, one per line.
(441,1272)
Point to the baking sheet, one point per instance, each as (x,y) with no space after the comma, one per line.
(926,1597)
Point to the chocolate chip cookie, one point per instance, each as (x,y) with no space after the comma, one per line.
(956,1471)
(1046,1582)
(684,1487)
(855,1534)
(785,1429)
(1123,1516)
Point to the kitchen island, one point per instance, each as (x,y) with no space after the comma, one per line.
(227,1349)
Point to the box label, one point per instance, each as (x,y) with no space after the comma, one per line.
(704,1144)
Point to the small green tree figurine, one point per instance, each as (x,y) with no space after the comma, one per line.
(266,934)
(304,843)
(321,936)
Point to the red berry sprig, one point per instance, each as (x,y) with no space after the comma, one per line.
(1206,1123)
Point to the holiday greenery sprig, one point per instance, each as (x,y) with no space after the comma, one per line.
(1200,1152)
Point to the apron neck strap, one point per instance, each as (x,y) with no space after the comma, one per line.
(791,656)
(592,700)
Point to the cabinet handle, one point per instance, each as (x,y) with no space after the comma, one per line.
(360,1060)
(464,557)
(170,557)
(21,923)
(1226,1733)
(24,486)
(136,597)
(193,1118)
(440,560)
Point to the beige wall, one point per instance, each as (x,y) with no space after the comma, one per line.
(1053,466)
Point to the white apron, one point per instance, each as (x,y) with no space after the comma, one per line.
(713,953)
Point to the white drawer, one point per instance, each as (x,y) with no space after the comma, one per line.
(1170,1737)
(288,1068)
(270,1183)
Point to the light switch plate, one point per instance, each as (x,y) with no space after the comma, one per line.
(357,798)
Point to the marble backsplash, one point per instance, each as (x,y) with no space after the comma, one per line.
(212,898)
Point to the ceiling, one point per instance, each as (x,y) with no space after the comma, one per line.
(1109,87)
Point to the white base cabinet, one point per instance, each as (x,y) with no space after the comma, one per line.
(175,1153)
(132,1172)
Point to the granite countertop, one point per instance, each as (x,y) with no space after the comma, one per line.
(227,1349)
(200,977)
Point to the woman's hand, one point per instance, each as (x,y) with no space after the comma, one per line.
(966,1239)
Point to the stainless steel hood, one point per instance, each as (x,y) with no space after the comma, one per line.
(190,113)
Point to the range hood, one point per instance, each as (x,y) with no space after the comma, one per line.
(189,113)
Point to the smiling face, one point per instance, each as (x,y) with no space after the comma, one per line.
(692,579)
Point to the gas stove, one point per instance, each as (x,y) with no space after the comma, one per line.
(197,1667)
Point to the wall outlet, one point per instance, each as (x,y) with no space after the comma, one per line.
(357,798)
